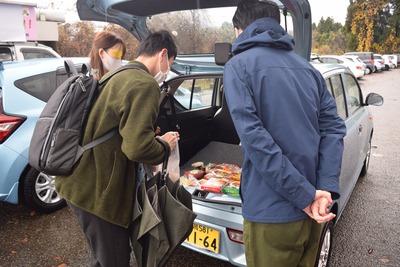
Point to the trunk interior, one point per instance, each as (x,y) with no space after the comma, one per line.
(208,136)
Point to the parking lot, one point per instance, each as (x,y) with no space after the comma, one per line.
(367,234)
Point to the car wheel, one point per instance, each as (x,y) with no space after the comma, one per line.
(325,245)
(375,69)
(368,71)
(364,169)
(39,192)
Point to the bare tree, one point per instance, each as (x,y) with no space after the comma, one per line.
(75,40)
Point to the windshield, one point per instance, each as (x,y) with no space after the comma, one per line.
(197,31)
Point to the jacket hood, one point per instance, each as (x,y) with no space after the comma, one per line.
(263,32)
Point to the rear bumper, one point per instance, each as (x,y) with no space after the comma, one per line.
(359,73)
(12,165)
(211,217)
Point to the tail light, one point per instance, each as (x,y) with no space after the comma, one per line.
(359,67)
(8,123)
(235,235)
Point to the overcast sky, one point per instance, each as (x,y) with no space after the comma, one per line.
(337,9)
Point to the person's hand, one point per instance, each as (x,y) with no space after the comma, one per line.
(172,138)
(321,193)
(318,209)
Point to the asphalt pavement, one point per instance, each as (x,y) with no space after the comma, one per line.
(367,234)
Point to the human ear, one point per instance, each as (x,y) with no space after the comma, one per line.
(101,53)
(238,32)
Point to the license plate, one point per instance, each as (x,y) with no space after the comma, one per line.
(204,237)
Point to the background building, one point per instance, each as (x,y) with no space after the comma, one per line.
(21,22)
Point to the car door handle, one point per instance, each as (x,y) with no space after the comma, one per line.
(360,129)
(209,118)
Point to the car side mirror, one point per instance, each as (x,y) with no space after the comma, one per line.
(374,99)
(222,53)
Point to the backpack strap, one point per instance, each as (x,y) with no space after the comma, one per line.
(125,67)
(94,143)
(70,68)
(86,68)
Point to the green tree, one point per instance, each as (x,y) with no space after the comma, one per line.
(363,22)
(390,23)
(329,37)
(352,42)
(375,25)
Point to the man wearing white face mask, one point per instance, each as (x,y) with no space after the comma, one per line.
(161,76)
(101,189)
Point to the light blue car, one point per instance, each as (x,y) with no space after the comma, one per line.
(25,88)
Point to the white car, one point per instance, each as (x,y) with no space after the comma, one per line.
(357,69)
(19,51)
(390,60)
(379,62)
(357,60)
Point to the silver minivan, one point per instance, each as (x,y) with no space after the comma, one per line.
(218,228)
(206,130)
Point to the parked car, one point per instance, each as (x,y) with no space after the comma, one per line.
(25,86)
(219,220)
(314,56)
(207,134)
(359,62)
(390,60)
(398,58)
(395,59)
(379,63)
(18,51)
(366,57)
(358,68)
(386,61)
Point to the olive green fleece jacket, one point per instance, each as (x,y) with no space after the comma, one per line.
(103,181)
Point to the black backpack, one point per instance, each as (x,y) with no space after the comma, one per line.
(56,141)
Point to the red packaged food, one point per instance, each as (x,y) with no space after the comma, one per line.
(213,185)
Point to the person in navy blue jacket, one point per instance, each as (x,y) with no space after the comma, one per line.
(292,139)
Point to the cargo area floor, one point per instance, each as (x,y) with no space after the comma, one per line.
(216,152)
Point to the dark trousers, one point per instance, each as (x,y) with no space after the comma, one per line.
(109,243)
